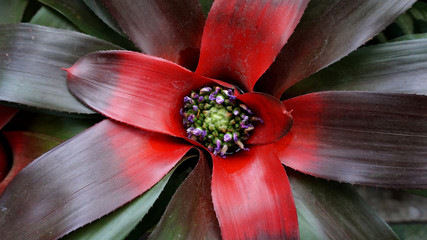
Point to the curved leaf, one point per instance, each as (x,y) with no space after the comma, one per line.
(25,147)
(6,113)
(12,11)
(242,38)
(47,17)
(276,121)
(138,89)
(102,12)
(118,224)
(163,28)
(80,15)
(190,214)
(328,31)
(391,67)
(85,178)
(359,137)
(329,210)
(252,196)
(30,60)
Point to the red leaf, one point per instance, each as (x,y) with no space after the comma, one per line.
(242,38)
(359,137)
(6,114)
(276,120)
(85,178)
(252,196)
(162,28)
(144,91)
(328,31)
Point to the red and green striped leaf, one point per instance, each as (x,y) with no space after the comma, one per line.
(242,38)
(163,28)
(30,60)
(359,137)
(85,178)
(252,196)
(190,214)
(391,67)
(138,89)
(328,31)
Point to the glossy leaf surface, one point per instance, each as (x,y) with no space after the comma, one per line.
(12,11)
(276,121)
(252,196)
(242,38)
(391,67)
(30,60)
(80,15)
(85,178)
(329,210)
(163,28)
(190,214)
(359,137)
(25,147)
(328,31)
(135,88)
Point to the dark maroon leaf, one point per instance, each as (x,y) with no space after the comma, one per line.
(328,31)
(392,67)
(358,137)
(30,60)
(170,29)
(85,178)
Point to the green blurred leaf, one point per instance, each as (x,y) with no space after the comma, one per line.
(330,210)
(31,58)
(11,11)
(47,17)
(206,6)
(102,12)
(398,67)
(413,231)
(79,14)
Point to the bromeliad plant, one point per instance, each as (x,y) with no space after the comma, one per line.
(227,108)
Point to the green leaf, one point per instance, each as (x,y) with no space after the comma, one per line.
(102,12)
(47,17)
(190,214)
(398,67)
(11,11)
(79,14)
(31,58)
(330,210)
(206,6)
(52,125)
(413,231)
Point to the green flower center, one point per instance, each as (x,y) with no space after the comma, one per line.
(215,118)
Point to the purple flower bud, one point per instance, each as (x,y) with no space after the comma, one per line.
(205,90)
(243,125)
(236,112)
(204,134)
(227,137)
(219,99)
(246,108)
(181,112)
(194,95)
(210,148)
(191,118)
(201,98)
(197,131)
(218,143)
(189,131)
(212,96)
(217,89)
(235,138)
(195,108)
(188,99)
(232,98)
